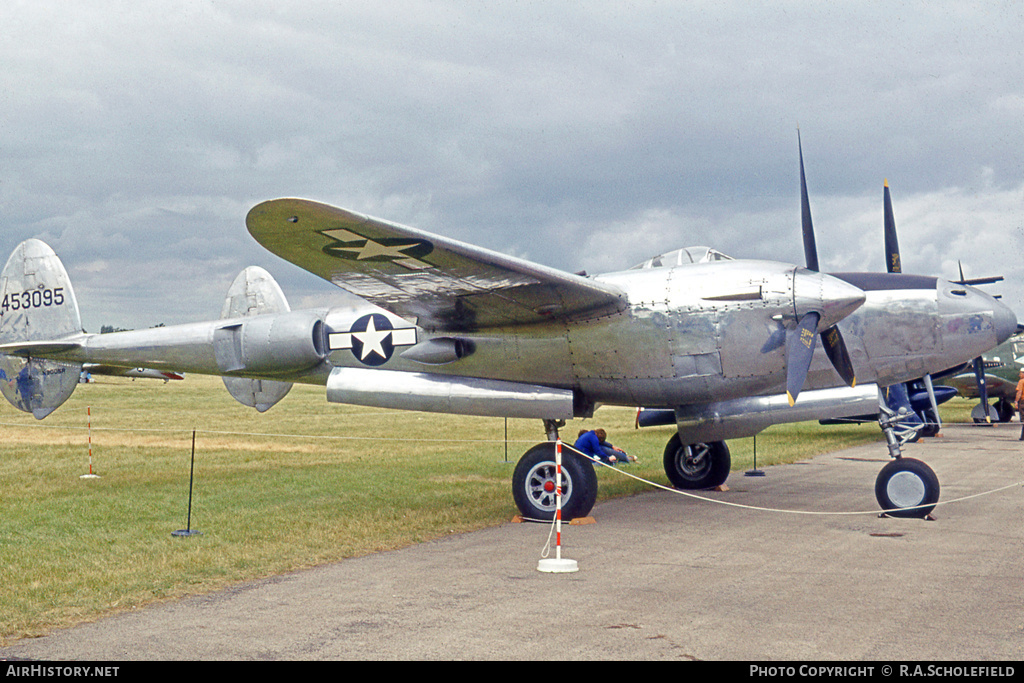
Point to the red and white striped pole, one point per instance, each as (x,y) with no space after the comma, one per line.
(88,412)
(558,565)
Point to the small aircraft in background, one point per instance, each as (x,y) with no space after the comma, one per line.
(89,369)
(728,346)
(995,375)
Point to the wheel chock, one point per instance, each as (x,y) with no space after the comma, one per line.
(519,519)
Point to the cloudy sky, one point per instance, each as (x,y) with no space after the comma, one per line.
(136,135)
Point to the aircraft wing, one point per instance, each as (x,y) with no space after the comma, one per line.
(437,282)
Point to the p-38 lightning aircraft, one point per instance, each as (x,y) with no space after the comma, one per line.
(449,327)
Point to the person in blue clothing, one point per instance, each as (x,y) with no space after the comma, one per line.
(594,443)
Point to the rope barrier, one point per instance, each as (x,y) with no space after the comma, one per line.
(187,431)
(531,441)
(779,510)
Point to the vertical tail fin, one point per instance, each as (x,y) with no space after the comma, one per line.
(37,304)
(253,292)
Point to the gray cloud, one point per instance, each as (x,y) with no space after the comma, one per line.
(137,135)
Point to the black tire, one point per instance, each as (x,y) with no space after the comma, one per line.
(1005,410)
(931,423)
(696,466)
(907,483)
(533,484)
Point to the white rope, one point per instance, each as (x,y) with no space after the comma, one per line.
(184,430)
(779,510)
(564,444)
(546,550)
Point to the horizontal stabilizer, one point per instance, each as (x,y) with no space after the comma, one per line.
(980,280)
(37,348)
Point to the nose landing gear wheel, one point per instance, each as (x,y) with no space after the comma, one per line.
(907,483)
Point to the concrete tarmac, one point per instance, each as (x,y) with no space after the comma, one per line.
(661,577)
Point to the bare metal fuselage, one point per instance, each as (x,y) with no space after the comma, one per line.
(692,334)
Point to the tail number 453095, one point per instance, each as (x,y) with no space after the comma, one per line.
(34,298)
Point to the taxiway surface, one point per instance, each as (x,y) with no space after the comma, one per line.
(661,576)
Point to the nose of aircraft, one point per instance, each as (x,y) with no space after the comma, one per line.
(1004,321)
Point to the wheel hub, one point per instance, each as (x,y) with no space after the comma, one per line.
(540,486)
(905,489)
(694,460)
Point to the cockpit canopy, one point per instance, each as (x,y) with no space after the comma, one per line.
(684,256)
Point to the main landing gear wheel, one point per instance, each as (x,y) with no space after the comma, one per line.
(907,483)
(931,423)
(696,466)
(533,484)
(1004,409)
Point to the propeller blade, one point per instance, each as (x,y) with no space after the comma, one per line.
(810,248)
(931,399)
(800,346)
(979,375)
(799,352)
(835,347)
(892,247)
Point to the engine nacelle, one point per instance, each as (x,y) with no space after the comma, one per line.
(271,344)
(447,394)
(743,417)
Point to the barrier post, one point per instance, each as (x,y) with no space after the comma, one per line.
(90,475)
(188,530)
(558,565)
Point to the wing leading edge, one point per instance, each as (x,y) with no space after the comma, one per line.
(439,283)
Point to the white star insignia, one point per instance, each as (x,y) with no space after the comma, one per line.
(371,340)
(370,249)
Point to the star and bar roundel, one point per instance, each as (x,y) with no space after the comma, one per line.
(355,247)
(372,339)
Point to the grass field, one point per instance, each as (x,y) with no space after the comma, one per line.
(303,484)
